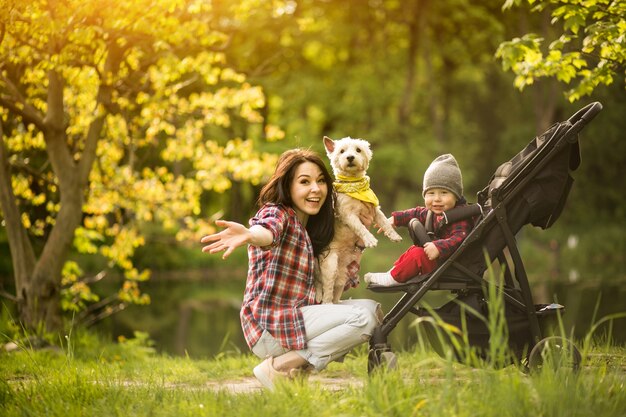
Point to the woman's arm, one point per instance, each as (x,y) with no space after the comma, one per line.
(235,235)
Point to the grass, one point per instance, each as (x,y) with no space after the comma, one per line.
(96,378)
(88,376)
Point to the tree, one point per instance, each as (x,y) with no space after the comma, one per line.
(590,51)
(113,115)
(405,75)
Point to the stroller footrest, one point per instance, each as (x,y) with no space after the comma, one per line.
(412,285)
(393,288)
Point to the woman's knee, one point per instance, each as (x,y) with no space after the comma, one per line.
(370,305)
(373,312)
(365,320)
(375,318)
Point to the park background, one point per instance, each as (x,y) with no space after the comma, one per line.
(129,127)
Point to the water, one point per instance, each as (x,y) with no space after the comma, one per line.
(196,313)
(193,313)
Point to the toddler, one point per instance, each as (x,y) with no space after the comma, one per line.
(443,190)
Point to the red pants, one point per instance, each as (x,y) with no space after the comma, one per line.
(411,263)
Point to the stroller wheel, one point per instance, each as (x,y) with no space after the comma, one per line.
(554,352)
(381,359)
(389,360)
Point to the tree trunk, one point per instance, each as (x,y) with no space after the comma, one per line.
(546,92)
(42,301)
(418,10)
(22,254)
(38,280)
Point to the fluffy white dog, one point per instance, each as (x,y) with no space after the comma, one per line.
(349,159)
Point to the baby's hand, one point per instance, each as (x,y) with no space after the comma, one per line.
(390,220)
(431,251)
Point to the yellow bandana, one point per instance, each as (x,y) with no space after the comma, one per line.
(358,188)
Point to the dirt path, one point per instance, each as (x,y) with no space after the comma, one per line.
(246,385)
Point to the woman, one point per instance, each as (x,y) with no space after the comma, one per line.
(279,317)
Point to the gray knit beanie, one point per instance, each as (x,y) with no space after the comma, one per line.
(444,173)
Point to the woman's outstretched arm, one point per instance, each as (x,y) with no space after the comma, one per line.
(235,235)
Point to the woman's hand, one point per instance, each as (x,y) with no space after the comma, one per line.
(229,239)
(366,218)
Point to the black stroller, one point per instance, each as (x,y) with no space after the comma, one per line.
(531,188)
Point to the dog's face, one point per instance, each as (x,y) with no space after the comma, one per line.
(349,157)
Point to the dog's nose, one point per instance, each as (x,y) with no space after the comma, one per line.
(350,158)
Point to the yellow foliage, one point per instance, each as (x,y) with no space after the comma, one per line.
(170,106)
(130,293)
(26,221)
(274,133)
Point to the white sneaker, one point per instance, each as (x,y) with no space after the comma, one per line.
(384,279)
(266,374)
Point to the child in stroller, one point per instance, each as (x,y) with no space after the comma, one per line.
(531,188)
(442,191)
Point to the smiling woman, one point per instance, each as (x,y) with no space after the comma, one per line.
(308,191)
(280,318)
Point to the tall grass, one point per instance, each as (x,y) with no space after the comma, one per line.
(91,377)
(113,381)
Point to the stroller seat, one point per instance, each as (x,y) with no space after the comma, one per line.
(530,188)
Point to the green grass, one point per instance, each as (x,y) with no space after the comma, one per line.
(95,378)
(88,376)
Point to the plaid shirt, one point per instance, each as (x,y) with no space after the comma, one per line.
(450,236)
(280,280)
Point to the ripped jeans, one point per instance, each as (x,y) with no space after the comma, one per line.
(332,330)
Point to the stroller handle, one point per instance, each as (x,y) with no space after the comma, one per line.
(580,120)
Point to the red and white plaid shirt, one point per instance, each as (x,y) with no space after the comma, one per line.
(280,280)
(450,237)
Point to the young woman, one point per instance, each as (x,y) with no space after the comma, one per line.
(281,321)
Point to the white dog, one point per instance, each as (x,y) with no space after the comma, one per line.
(349,159)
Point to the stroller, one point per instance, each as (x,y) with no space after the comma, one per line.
(531,188)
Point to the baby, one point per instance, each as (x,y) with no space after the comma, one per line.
(443,190)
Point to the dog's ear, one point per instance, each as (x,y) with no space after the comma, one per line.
(368,150)
(329,144)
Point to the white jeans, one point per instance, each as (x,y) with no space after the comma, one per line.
(332,330)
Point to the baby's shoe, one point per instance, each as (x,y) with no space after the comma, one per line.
(383,279)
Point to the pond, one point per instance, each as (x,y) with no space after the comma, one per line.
(196,313)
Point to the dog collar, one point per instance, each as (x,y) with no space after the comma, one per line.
(358,188)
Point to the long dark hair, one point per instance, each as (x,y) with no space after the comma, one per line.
(320,227)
